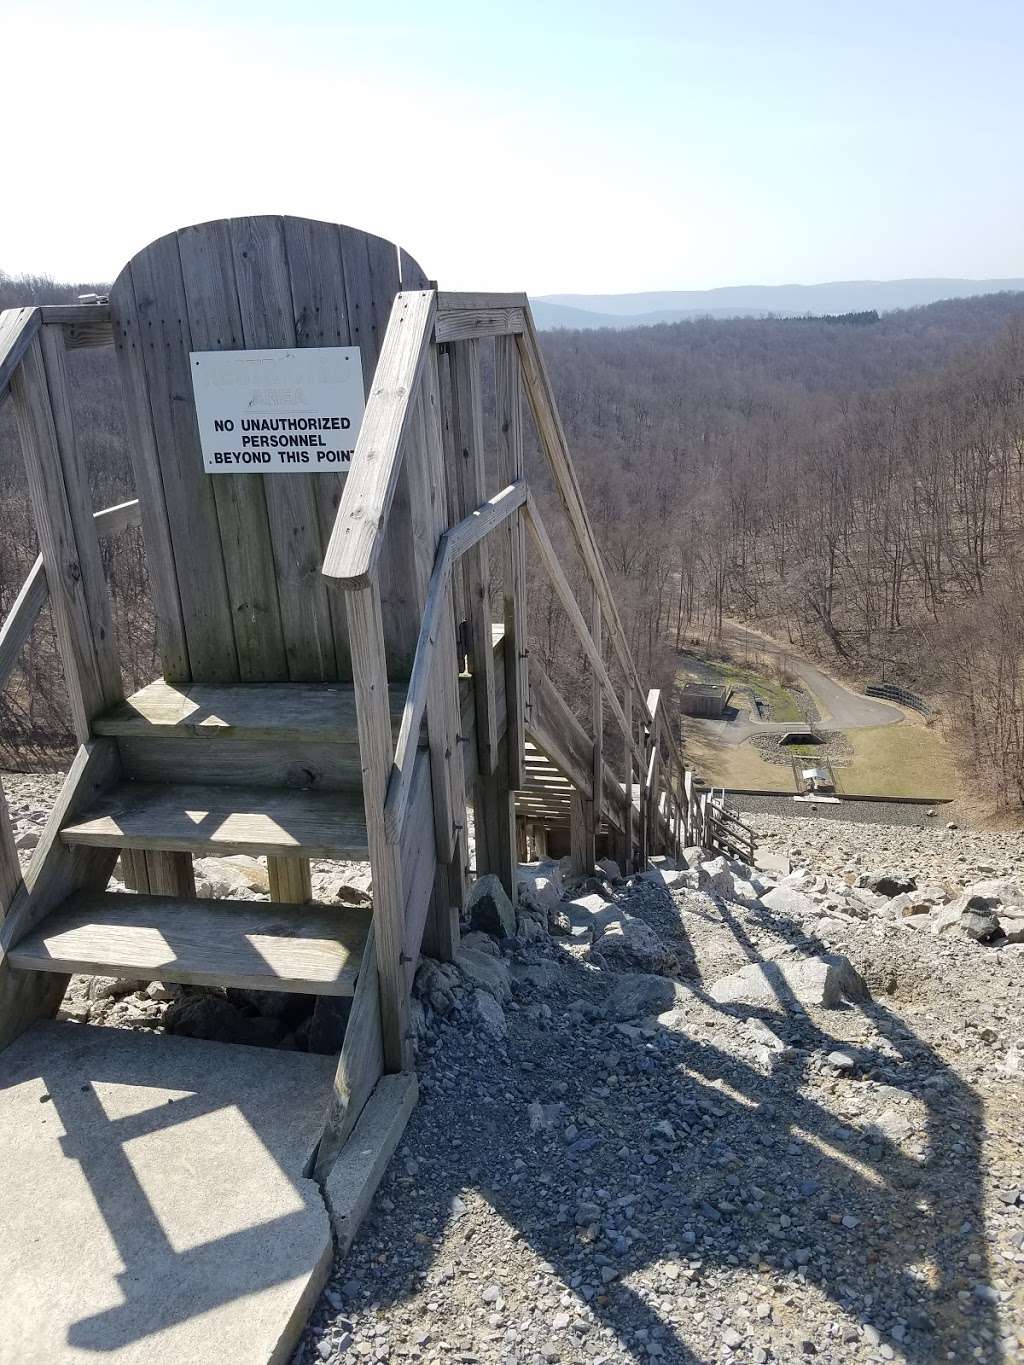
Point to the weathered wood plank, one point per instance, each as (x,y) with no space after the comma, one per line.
(201,819)
(357,538)
(253,945)
(179,517)
(469,323)
(21,618)
(454,301)
(53,874)
(509,421)
(369,668)
(360,1065)
(351,1185)
(18,327)
(267,318)
(470,490)
(320,308)
(215,323)
(67,533)
(302,712)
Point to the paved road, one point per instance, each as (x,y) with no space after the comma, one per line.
(838,707)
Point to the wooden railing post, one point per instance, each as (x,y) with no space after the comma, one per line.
(627,793)
(67,533)
(373,718)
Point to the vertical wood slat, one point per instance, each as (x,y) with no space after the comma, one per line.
(509,414)
(67,533)
(321,312)
(268,322)
(215,324)
(171,874)
(376,748)
(179,513)
(470,484)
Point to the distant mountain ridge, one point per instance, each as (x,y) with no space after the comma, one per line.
(755,300)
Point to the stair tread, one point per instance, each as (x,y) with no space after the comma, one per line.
(258,945)
(211,819)
(279,711)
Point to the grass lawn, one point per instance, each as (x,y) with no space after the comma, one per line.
(898,760)
(735,765)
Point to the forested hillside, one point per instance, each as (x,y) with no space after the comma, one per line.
(852,483)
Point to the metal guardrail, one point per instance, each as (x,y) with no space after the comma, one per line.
(893,692)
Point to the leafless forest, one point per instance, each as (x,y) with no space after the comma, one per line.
(855,485)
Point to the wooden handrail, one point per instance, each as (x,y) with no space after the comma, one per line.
(359,527)
(31,599)
(17,328)
(452,545)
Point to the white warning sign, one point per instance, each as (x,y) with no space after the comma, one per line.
(278,412)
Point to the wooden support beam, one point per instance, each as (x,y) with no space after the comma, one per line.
(470,491)
(509,420)
(373,715)
(290,880)
(593,814)
(64,521)
(577,834)
(18,327)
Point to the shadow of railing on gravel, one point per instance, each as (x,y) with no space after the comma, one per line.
(736,1128)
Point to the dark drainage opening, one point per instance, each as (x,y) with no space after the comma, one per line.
(805,739)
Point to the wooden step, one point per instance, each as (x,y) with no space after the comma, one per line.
(259,945)
(290,712)
(199,819)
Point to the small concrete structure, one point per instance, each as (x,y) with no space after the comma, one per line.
(705,700)
(154,1203)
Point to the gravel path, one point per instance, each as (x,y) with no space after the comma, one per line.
(846,812)
(586,1185)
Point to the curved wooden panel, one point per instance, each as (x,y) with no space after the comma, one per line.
(235,562)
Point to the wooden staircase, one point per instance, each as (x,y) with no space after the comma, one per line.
(341,701)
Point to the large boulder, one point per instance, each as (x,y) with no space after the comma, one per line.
(610,869)
(489,909)
(589,916)
(488,973)
(628,944)
(886,882)
(1006,890)
(787,900)
(971,916)
(720,880)
(541,883)
(824,981)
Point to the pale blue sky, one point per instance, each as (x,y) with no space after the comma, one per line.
(548,146)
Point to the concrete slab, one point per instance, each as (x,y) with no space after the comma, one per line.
(154,1206)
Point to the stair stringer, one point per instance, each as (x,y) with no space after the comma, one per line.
(55,872)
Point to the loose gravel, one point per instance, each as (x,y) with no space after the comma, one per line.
(714,1183)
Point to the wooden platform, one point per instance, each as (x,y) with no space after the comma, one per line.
(254,944)
(199,819)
